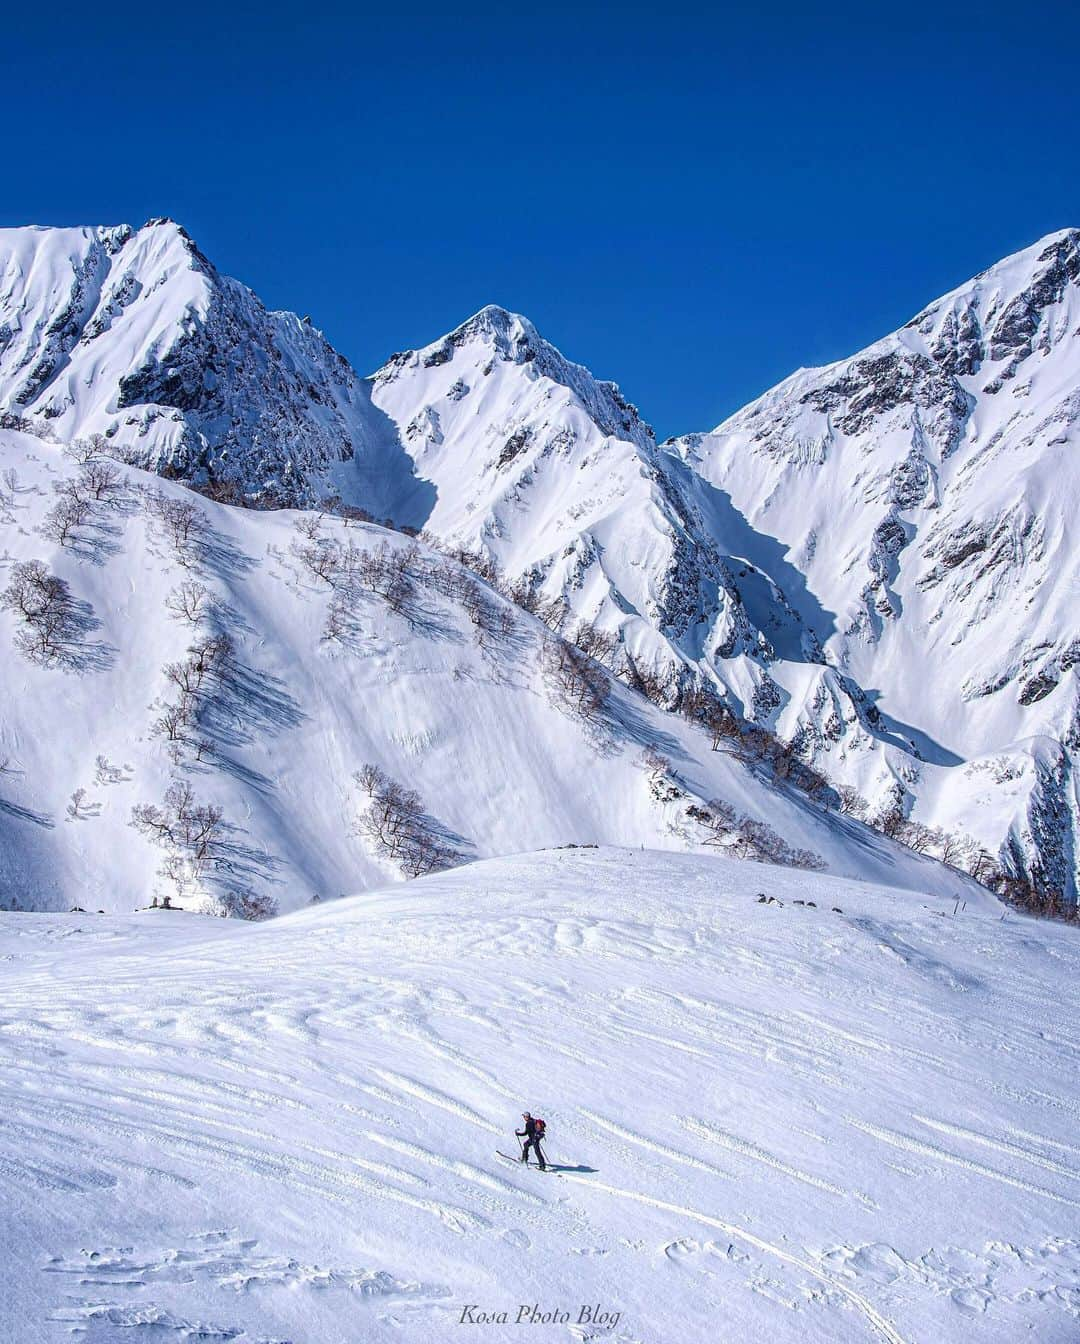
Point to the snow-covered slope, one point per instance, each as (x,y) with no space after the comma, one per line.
(907,510)
(445,688)
(133,334)
(554,476)
(926,491)
(876,560)
(547,470)
(776,1122)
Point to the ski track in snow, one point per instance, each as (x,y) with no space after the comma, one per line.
(879,1323)
(328,1091)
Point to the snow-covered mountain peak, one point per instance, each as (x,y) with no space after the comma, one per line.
(1023,304)
(923,488)
(495,336)
(134,335)
(1040,270)
(512,334)
(902,509)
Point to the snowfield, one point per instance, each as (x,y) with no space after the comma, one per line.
(771,1121)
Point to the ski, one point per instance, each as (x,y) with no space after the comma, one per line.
(518,1163)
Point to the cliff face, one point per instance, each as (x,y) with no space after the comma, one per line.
(926,489)
(133,334)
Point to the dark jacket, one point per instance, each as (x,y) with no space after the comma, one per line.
(529,1132)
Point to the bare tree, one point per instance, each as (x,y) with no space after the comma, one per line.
(653,685)
(386,572)
(951,848)
(525,594)
(805,858)
(398,826)
(187,676)
(759,841)
(78,809)
(193,834)
(756,743)
(182,523)
(851,801)
(212,654)
(189,602)
(744,837)
(101,480)
(309,525)
(70,512)
(83,451)
(982,865)
(581,682)
(724,814)
(339,621)
(554,613)
(224,491)
(481,565)
(370,778)
(209,658)
(323,559)
(174,720)
(594,642)
(916,836)
(889,819)
(653,759)
(52,624)
(151,820)
(105,773)
(447,579)
(722,726)
(813,783)
(492,621)
(350,513)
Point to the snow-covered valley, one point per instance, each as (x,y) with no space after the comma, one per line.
(847,1119)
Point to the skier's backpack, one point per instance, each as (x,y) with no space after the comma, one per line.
(539,1127)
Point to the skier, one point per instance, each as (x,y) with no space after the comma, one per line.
(532,1134)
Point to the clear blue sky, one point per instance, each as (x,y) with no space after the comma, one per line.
(691,203)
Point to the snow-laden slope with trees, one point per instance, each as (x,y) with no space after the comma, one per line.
(926,489)
(555,477)
(905,512)
(192,690)
(846,1121)
(874,563)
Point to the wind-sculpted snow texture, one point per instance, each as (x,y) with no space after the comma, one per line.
(841,1116)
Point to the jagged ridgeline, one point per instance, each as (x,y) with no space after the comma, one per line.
(860,589)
